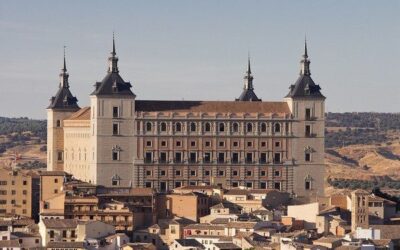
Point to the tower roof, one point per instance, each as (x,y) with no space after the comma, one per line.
(305,86)
(248,88)
(64,100)
(113,84)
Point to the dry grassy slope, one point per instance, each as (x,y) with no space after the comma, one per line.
(27,153)
(382,160)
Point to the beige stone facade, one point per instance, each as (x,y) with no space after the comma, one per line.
(121,141)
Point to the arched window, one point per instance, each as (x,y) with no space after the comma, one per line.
(249,127)
(263,127)
(277,128)
(207,127)
(235,127)
(148,126)
(178,127)
(221,127)
(192,127)
(163,127)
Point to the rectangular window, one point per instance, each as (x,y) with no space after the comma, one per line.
(308,185)
(263,173)
(221,157)
(60,156)
(249,158)
(148,158)
(192,183)
(307,157)
(277,173)
(148,172)
(178,143)
(24,183)
(207,157)
(208,144)
(193,157)
(235,184)
(263,185)
(277,185)
(178,157)
(308,131)
(249,144)
(163,157)
(263,158)
(163,186)
(115,112)
(221,144)
(177,173)
(249,173)
(263,144)
(277,144)
(235,173)
(163,143)
(221,173)
(207,172)
(148,143)
(178,184)
(249,184)
(115,128)
(277,158)
(235,143)
(193,143)
(162,173)
(147,184)
(192,172)
(308,114)
(24,192)
(235,157)
(115,155)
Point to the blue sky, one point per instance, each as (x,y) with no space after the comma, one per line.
(198,50)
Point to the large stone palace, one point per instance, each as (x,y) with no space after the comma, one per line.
(124,142)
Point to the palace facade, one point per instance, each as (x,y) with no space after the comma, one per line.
(124,142)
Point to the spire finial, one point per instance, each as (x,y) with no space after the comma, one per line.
(248,63)
(113,59)
(65,64)
(113,52)
(64,74)
(248,78)
(305,47)
(305,62)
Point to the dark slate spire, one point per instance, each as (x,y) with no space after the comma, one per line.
(305,63)
(64,100)
(113,84)
(113,60)
(305,86)
(64,74)
(248,89)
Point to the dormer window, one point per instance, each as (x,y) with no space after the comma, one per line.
(115,87)
(307,89)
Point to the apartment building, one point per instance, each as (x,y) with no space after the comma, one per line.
(19,193)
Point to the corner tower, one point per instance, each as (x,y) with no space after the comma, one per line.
(112,128)
(62,105)
(307,106)
(248,88)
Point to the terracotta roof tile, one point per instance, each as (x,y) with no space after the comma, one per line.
(212,106)
(82,114)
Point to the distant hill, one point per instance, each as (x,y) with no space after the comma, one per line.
(20,125)
(343,129)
